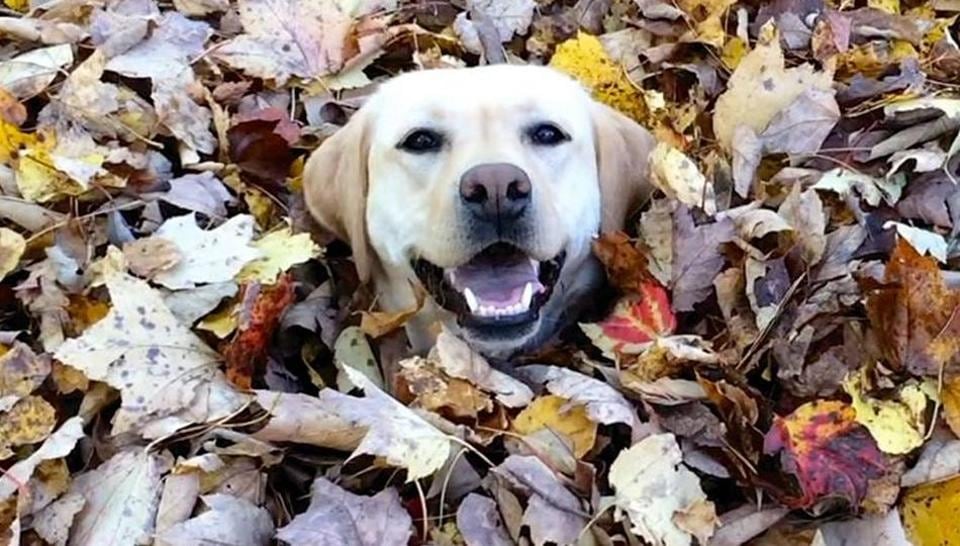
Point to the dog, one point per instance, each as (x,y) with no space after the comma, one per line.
(485,186)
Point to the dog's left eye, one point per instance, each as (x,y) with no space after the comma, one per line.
(547,134)
(422,141)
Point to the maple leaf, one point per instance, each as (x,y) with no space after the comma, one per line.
(210,256)
(160,367)
(915,313)
(636,321)
(832,456)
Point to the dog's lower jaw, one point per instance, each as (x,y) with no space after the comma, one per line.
(573,293)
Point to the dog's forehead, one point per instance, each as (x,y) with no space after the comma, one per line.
(440,93)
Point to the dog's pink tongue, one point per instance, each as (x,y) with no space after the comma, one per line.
(496,281)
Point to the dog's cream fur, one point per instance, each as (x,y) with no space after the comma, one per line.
(392,206)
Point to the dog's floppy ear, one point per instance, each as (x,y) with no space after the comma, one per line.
(335,188)
(623,147)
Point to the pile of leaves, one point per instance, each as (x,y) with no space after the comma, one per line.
(186,359)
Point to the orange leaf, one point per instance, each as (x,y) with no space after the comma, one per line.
(625,264)
(636,320)
(831,455)
(248,348)
(915,313)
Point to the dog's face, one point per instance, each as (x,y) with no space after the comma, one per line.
(484,185)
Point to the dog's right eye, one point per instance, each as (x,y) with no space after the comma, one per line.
(421,141)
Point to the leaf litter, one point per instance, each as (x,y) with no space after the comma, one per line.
(184,359)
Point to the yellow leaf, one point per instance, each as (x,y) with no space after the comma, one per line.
(562,417)
(18,5)
(260,206)
(889,6)
(733,52)
(12,139)
(678,176)
(379,323)
(85,312)
(931,513)
(281,250)
(897,425)
(761,87)
(38,180)
(221,323)
(951,405)
(584,58)
(12,246)
(29,421)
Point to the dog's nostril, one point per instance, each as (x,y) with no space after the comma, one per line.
(476,193)
(518,190)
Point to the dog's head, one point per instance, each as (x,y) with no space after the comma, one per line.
(485,185)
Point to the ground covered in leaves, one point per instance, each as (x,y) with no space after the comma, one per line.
(185,359)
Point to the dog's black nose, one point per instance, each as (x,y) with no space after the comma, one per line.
(495,191)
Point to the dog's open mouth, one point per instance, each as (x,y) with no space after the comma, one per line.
(500,286)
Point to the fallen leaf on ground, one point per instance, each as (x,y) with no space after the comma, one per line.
(280,250)
(915,312)
(229,520)
(121,499)
(831,455)
(636,321)
(380,323)
(217,255)
(553,513)
(247,351)
(898,425)
(678,177)
(761,87)
(559,416)
(603,403)
(639,476)
(28,421)
(336,516)
(479,522)
(140,348)
(931,513)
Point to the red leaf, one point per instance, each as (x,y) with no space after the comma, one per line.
(831,455)
(260,144)
(247,351)
(636,320)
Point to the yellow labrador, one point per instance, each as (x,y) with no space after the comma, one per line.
(485,185)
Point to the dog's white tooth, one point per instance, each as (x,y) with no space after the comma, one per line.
(535,265)
(471,298)
(526,297)
(452,277)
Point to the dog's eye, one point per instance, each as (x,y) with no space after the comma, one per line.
(422,141)
(547,134)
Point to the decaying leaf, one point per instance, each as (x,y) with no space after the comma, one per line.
(229,520)
(641,474)
(279,250)
(121,499)
(553,513)
(915,312)
(761,87)
(159,366)
(897,425)
(931,513)
(217,255)
(336,516)
(559,416)
(832,456)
